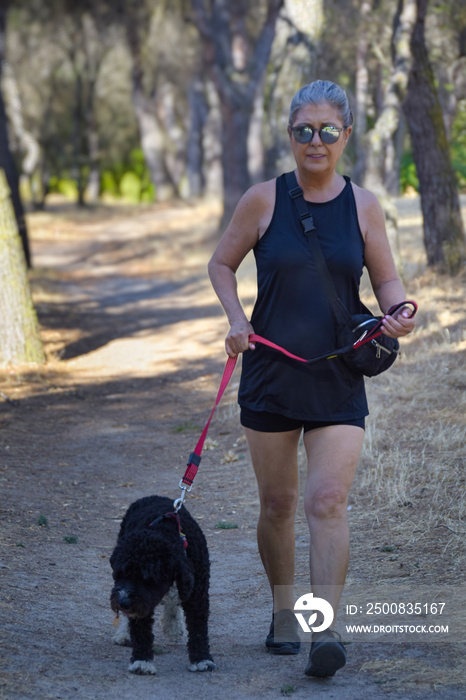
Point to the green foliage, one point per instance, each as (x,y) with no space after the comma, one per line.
(130,187)
(225,525)
(182,427)
(408,175)
(108,183)
(148,193)
(65,186)
(129,180)
(158,650)
(70,539)
(458,146)
(136,159)
(68,188)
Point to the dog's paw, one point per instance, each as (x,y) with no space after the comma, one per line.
(207,665)
(142,668)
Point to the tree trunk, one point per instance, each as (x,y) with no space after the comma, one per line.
(93,181)
(212,144)
(388,120)
(256,165)
(236,63)
(151,142)
(28,144)
(145,109)
(194,151)
(78,137)
(236,178)
(7,162)
(362,88)
(173,136)
(443,228)
(393,158)
(19,331)
(92,140)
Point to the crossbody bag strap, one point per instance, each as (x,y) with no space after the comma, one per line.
(307,222)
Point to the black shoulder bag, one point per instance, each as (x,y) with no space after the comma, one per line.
(356,334)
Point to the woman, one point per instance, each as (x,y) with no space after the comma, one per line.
(280,398)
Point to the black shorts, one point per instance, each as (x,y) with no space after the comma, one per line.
(266,422)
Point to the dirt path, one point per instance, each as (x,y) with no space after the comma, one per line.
(134,335)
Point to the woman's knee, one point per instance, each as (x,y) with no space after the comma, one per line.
(280,507)
(328,500)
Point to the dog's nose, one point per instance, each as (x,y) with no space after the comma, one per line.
(124,601)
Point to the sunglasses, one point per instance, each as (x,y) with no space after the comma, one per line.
(327,134)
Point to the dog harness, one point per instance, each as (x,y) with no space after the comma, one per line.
(174,515)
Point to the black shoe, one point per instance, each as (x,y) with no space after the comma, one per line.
(284,627)
(327,654)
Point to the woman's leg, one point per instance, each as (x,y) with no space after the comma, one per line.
(275,461)
(333,454)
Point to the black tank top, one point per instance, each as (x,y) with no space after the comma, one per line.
(293,311)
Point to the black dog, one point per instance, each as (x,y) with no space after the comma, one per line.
(150,556)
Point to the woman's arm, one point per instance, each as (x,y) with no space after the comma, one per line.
(250,220)
(378,258)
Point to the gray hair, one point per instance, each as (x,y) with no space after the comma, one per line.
(322,91)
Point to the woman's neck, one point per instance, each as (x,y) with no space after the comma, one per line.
(321,188)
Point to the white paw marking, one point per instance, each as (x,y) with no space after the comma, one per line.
(143,668)
(121,636)
(206,665)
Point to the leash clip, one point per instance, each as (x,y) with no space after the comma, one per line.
(179,501)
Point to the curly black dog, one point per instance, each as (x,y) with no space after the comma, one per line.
(150,556)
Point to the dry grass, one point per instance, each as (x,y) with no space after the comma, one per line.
(411,476)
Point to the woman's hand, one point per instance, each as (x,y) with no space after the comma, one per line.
(400,324)
(237,340)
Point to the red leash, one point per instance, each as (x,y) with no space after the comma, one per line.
(366,337)
(195,457)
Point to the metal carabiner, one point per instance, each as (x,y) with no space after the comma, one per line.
(179,501)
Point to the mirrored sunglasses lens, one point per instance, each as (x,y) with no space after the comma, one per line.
(329,135)
(303,134)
